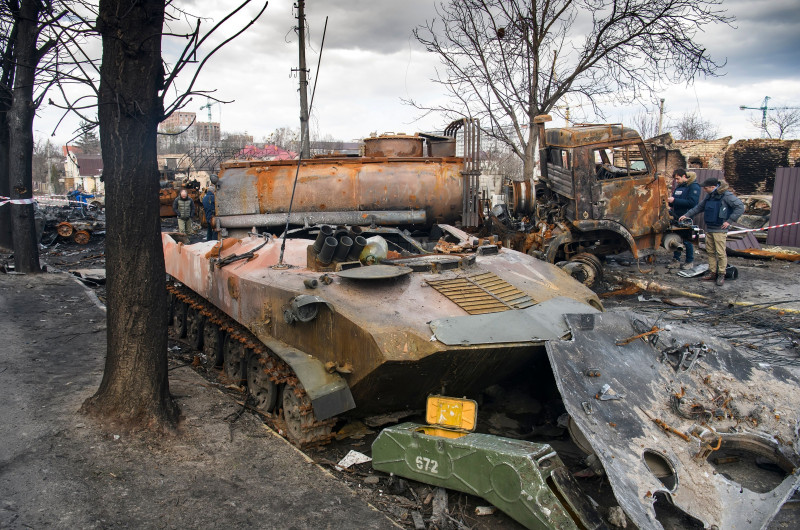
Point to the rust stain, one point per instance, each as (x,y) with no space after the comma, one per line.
(233,287)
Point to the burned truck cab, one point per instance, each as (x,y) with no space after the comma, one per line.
(598,194)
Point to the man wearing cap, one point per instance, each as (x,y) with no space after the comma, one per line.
(720,208)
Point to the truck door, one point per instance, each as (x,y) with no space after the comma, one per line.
(625,189)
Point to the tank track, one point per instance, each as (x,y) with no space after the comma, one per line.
(301,427)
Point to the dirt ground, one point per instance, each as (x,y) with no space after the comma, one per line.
(225,467)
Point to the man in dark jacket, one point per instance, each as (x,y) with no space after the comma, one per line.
(685,197)
(209,207)
(720,208)
(183,206)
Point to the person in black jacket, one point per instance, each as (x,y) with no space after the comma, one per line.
(720,208)
(684,198)
(209,207)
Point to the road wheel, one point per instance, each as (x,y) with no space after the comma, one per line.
(233,360)
(179,321)
(194,328)
(297,414)
(213,342)
(259,385)
(81,237)
(64,229)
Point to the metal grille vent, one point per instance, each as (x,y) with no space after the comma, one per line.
(482,293)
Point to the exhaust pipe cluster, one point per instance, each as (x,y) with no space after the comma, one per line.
(342,245)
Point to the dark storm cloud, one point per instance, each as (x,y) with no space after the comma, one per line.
(762,44)
(377,26)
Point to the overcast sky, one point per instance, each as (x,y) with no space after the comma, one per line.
(371,61)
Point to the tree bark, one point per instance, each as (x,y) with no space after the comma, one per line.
(134,392)
(20,129)
(6,241)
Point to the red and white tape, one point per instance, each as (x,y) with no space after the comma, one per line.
(765,228)
(6,200)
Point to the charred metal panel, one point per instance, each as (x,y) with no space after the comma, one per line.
(636,203)
(589,134)
(560,181)
(785,208)
(543,321)
(658,411)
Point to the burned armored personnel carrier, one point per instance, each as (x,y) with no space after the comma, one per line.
(315,331)
(599,193)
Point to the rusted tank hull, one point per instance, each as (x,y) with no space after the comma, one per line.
(376,334)
(343,185)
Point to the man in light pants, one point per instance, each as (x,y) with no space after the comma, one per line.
(720,208)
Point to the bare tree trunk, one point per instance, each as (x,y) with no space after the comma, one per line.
(134,391)
(5,186)
(20,129)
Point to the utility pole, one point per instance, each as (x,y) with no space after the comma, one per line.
(660,115)
(305,150)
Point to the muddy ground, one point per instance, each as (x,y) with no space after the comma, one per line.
(226,468)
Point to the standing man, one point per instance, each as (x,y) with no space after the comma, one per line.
(209,207)
(184,209)
(720,207)
(685,197)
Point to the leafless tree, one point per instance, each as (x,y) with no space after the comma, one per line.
(782,122)
(506,61)
(32,31)
(646,123)
(691,126)
(132,98)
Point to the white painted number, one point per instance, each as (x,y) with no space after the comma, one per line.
(427,464)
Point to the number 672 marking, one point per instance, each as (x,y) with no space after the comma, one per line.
(427,464)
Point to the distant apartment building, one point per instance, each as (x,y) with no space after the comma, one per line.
(207,133)
(177,122)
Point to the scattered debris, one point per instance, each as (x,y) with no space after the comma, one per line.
(352,458)
(616,517)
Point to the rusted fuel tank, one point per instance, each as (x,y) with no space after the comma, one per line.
(392,185)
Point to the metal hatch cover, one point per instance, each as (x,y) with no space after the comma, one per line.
(689,429)
(374,272)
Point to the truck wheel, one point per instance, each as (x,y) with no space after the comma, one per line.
(584,267)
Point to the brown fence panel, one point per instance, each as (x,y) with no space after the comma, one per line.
(785,208)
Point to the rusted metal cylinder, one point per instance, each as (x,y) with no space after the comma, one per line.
(522,200)
(324,232)
(395,146)
(343,249)
(331,185)
(410,217)
(325,255)
(358,245)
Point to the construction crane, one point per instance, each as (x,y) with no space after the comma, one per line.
(764,108)
(208,106)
